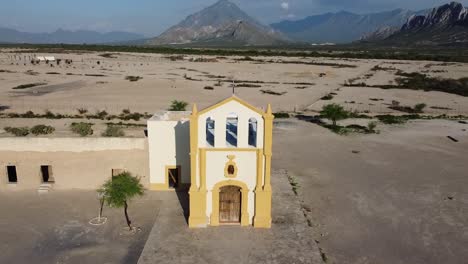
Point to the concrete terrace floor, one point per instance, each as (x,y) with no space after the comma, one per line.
(54,228)
(290,240)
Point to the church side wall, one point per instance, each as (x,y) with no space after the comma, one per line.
(169,145)
(76,163)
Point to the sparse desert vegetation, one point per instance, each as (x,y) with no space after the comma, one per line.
(113,131)
(82,129)
(17,131)
(133,78)
(29,85)
(42,130)
(178,106)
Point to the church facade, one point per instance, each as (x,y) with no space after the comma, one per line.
(222,154)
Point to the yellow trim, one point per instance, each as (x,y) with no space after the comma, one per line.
(229,163)
(165,186)
(236,99)
(244,201)
(262,217)
(202,166)
(259,183)
(159,187)
(197,217)
(193,147)
(228,149)
(267,147)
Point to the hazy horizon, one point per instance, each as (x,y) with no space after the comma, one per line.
(151,18)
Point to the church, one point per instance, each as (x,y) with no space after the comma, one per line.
(222,155)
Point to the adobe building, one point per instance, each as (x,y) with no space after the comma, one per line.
(221,155)
(224,154)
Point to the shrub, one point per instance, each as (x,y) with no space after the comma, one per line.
(126,111)
(113,131)
(327,97)
(390,119)
(28,114)
(101,114)
(178,106)
(82,129)
(18,131)
(133,78)
(281,115)
(29,85)
(48,114)
(419,108)
(272,92)
(371,126)
(82,111)
(42,130)
(208,88)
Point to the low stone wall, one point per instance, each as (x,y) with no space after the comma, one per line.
(76,163)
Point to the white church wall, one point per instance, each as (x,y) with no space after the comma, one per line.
(169,145)
(219,115)
(246,163)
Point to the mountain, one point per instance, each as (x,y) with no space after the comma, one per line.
(380,34)
(67,37)
(223,23)
(445,24)
(341,27)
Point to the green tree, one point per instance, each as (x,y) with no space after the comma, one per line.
(334,112)
(178,106)
(119,190)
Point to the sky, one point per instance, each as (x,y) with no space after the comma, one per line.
(152,17)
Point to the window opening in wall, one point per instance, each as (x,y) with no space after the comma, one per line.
(46,173)
(11,173)
(231,130)
(210,131)
(253,132)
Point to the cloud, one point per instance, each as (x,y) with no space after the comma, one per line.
(285,5)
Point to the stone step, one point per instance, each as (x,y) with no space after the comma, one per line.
(44,188)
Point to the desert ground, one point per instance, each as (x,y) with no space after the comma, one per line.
(95,82)
(398,196)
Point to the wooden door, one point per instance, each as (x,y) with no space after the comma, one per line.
(230,204)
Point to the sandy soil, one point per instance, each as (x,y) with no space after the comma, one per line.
(395,197)
(68,87)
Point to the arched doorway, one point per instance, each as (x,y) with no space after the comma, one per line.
(230,205)
(233,194)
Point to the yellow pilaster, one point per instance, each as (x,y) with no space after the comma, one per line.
(202,170)
(193,147)
(262,217)
(197,217)
(268,142)
(259,184)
